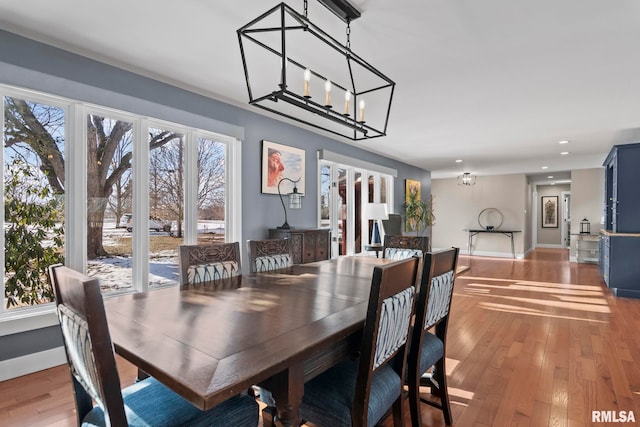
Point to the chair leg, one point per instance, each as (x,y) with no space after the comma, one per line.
(398,413)
(414,400)
(269,416)
(441,377)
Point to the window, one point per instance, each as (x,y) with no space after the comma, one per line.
(342,199)
(34,182)
(121,170)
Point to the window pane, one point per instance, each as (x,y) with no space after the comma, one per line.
(166,205)
(211,191)
(342,215)
(33,199)
(109,202)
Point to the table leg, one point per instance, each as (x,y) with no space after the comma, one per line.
(469,243)
(513,251)
(287,389)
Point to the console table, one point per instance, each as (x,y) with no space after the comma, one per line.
(475,232)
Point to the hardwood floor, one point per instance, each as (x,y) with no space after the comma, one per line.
(535,342)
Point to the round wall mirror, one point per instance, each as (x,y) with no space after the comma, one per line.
(490,219)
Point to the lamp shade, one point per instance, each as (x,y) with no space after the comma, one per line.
(377,211)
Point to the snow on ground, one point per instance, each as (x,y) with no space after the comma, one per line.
(115,273)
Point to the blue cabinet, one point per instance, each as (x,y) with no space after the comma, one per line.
(622,197)
(619,264)
(620,241)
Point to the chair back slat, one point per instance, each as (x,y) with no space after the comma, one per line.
(269,254)
(402,247)
(80,352)
(393,329)
(205,264)
(439,300)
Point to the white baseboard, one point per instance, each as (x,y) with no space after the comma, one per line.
(23,365)
(545,245)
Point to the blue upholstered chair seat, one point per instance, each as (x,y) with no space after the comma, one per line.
(432,351)
(148,403)
(328,398)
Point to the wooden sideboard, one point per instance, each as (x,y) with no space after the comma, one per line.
(307,245)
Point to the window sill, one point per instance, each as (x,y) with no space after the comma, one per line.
(21,320)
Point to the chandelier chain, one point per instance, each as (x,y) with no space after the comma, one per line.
(306,9)
(349,34)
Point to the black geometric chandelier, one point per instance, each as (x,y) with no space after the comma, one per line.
(284,56)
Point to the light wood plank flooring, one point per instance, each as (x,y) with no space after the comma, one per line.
(535,342)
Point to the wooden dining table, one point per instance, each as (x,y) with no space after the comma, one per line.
(275,329)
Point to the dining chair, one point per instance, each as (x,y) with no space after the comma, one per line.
(95,376)
(428,349)
(361,392)
(205,264)
(269,254)
(400,247)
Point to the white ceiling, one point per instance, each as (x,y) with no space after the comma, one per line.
(495,83)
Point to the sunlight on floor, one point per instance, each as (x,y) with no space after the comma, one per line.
(516,309)
(540,284)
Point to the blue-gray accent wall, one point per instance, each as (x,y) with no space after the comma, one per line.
(32,65)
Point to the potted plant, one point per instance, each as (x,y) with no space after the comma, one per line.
(418,215)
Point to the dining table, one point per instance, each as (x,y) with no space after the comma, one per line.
(274,329)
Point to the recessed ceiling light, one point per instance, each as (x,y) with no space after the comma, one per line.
(550,177)
(459,161)
(563,142)
(545,167)
(564,153)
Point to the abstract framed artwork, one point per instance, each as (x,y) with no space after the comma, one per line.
(281,161)
(549,211)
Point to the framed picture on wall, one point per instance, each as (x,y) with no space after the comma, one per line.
(413,191)
(278,162)
(549,212)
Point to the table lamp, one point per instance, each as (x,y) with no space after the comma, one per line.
(376,212)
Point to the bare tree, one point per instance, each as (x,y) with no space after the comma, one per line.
(31,130)
(120,201)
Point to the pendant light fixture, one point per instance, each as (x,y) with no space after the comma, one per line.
(295,69)
(467,179)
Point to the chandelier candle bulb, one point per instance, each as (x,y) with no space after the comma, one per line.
(307,78)
(327,93)
(362,111)
(347,98)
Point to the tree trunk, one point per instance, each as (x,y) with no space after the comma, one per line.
(95,225)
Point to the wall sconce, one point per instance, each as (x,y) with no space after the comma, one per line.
(295,201)
(467,179)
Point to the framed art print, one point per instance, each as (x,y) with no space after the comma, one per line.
(550,212)
(278,162)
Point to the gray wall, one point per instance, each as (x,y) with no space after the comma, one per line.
(32,65)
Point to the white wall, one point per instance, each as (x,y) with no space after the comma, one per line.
(587,201)
(457,207)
